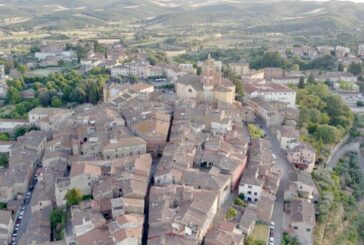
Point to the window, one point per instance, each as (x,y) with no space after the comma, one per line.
(308,230)
(255,193)
(255,200)
(190,90)
(249,192)
(249,186)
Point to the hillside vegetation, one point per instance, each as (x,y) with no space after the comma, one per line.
(246,15)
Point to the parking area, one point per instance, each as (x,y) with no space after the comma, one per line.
(23,215)
(351,100)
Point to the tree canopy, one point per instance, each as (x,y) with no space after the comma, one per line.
(325,116)
(73,197)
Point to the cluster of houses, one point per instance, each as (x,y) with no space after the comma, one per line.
(344,54)
(141,68)
(51,54)
(3,85)
(165,162)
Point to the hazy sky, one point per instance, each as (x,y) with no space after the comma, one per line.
(357,1)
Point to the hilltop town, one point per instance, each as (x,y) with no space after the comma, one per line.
(108,140)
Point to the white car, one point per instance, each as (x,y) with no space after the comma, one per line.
(271,240)
(272,225)
(274,156)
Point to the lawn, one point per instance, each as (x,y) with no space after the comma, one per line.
(6,109)
(46,71)
(260,233)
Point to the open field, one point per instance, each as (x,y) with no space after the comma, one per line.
(261,233)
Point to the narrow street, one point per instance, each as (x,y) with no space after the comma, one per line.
(287,171)
(220,215)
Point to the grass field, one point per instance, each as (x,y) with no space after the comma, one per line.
(46,71)
(260,233)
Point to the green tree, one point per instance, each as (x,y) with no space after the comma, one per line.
(311,79)
(73,197)
(269,59)
(13,96)
(340,67)
(16,83)
(22,69)
(94,93)
(327,62)
(199,70)
(231,214)
(328,134)
(81,53)
(295,67)
(356,68)
(289,240)
(4,160)
(301,83)
(44,98)
(239,202)
(34,49)
(255,132)
(56,102)
(58,221)
(4,137)
(78,95)
(20,132)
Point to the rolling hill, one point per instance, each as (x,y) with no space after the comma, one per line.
(249,15)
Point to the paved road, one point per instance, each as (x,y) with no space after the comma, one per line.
(27,214)
(25,221)
(287,170)
(342,151)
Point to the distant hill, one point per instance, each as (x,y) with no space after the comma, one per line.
(250,15)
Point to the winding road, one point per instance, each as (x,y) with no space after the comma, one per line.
(351,147)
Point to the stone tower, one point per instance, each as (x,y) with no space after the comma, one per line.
(210,75)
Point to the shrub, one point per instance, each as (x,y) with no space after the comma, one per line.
(231,214)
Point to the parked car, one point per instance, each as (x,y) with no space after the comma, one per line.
(272,225)
(26,201)
(274,156)
(271,232)
(271,240)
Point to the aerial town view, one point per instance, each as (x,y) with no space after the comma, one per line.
(170,122)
